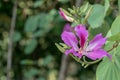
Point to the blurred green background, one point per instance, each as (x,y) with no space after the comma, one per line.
(38,27)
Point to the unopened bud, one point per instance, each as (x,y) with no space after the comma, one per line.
(66,17)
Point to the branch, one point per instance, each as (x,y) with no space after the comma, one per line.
(10,42)
(63,69)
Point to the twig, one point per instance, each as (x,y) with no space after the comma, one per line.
(10,43)
(63,69)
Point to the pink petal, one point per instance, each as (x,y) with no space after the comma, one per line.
(70,39)
(96,43)
(68,28)
(72,51)
(65,16)
(98,54)
(78,55)
(82,33)
(69,51)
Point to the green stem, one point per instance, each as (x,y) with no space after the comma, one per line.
(77,59)
(84,62)
(114,46)
(93,62)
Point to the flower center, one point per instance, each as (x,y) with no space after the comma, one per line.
(80,51)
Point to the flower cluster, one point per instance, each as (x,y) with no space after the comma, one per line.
(77,39)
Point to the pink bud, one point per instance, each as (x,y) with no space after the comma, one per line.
(70,19)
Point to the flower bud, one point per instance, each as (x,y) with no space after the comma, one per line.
(70,19)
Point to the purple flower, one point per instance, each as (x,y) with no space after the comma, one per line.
(92,50)
(70,19)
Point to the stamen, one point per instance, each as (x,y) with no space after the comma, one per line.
(80,51)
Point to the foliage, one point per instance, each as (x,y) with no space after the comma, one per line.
(39,26)
(108,69)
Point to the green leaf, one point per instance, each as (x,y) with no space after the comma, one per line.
(45,21)
(41,78)
(119,6)
(115,28)
(110,69)
(115,37)
(107,5)
(97,16)
(31,24)
(109,34)
(47,60)
(103,29)
(63,1)
(27,62)
(38,33)
(38,3)
(29,48)
(42,21)
(108,45)
(74,24)
(16,36)
(31,73)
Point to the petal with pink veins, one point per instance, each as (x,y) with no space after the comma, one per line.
(82,33)
(96,43)
(70,39)
(98,54)
(72,51)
